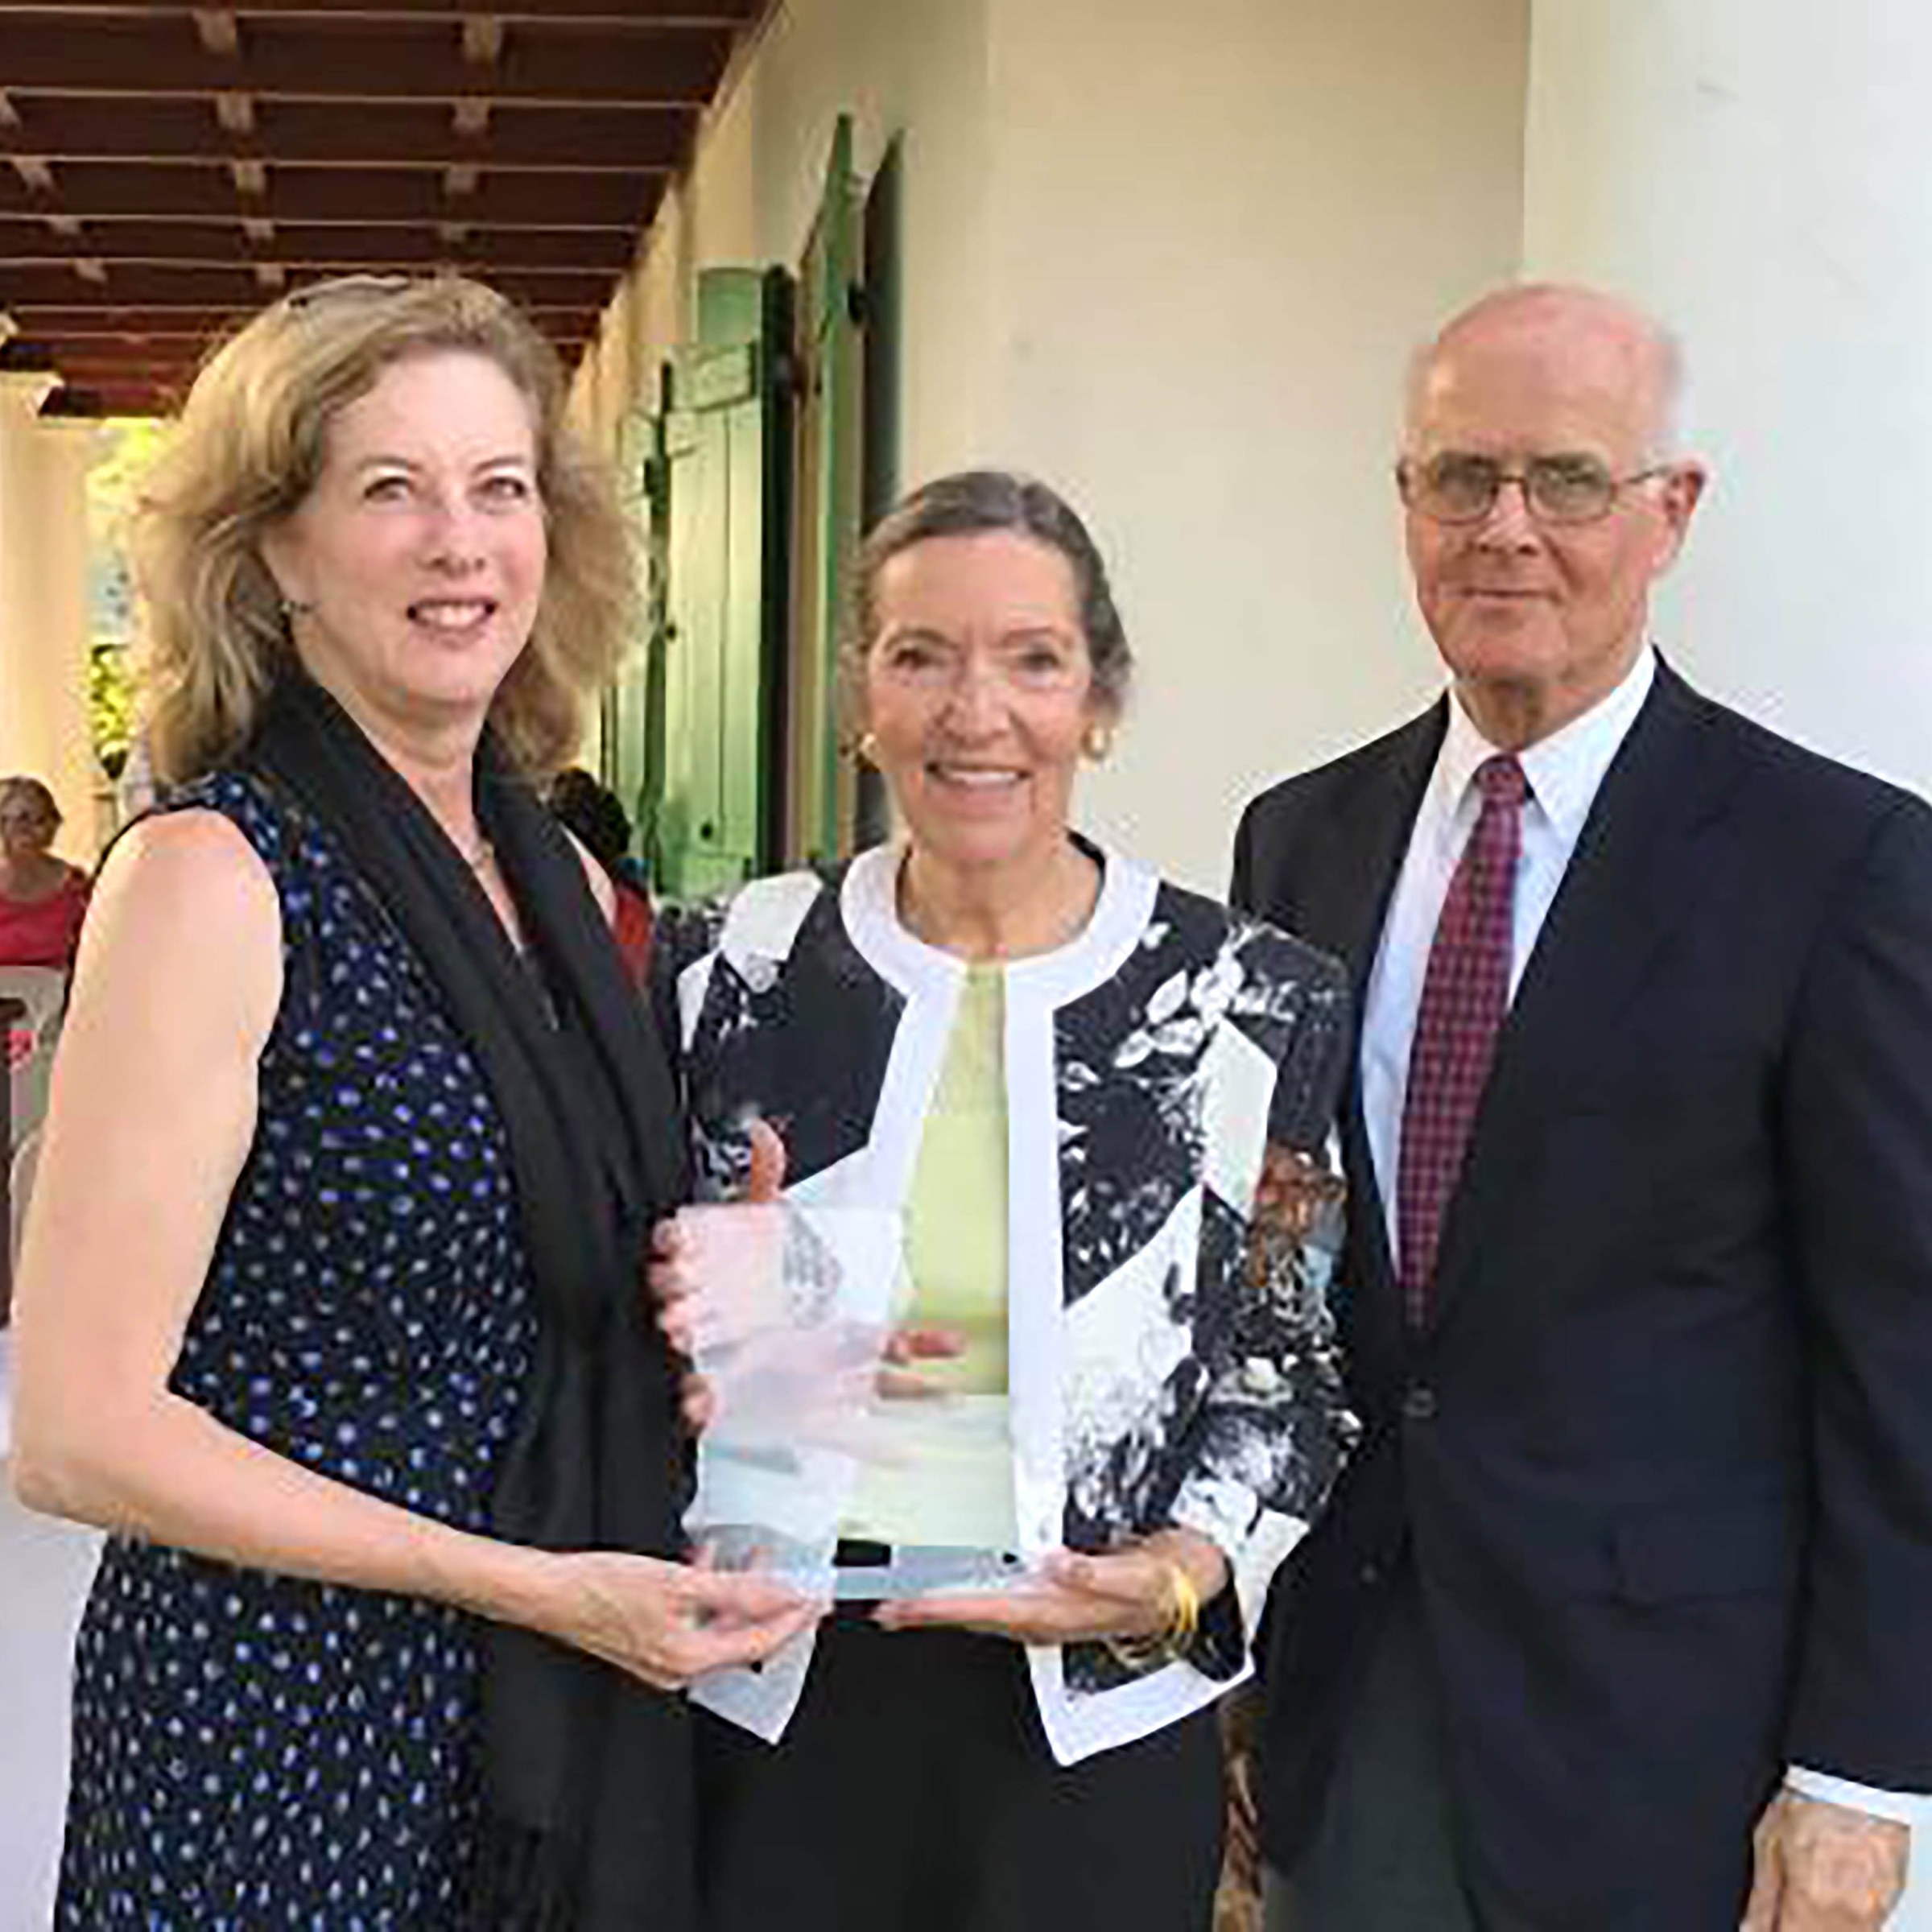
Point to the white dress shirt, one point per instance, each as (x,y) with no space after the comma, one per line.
(1563,771)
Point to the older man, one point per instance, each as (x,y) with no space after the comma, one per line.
(1622,1617)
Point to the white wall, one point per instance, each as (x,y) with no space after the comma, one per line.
(1759,173)
(1172,261)
(915,66)
(44,622)
(1218,228)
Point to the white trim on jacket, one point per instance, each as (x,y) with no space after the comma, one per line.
(759,928)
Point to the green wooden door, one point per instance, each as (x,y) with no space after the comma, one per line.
(820,791)
(725,452)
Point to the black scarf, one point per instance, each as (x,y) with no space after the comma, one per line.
(586,1774)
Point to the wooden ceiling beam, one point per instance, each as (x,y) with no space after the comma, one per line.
(27,241)
(199,285)
(115,56)
(81,319)
(94,191)
(176,356)
(95,403)
(171,371)
(19,353)
(626,141)
(605,15)
(92,400)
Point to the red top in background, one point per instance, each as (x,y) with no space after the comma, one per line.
(43,932)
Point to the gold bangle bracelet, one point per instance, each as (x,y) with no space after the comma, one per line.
(1186,1607)
(1174,1639)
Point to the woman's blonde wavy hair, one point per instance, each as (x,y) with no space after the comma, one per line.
(248,449)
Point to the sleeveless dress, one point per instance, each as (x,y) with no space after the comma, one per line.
(253,1750)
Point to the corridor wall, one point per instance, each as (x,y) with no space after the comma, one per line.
(1174,263)
(43,619)
(1216,232)
(1756,171)
(1759,172)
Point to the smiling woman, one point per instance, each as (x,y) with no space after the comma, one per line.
(1066,1074)
(330,1318)
(413,569)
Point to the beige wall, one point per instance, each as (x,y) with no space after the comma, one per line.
(43,729)
(1173,263)
(1757,171)
(1218,228)
(917,66)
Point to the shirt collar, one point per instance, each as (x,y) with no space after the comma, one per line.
(1563,770)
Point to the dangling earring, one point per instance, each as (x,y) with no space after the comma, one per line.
(866,747)
(1097,740)
(295,607)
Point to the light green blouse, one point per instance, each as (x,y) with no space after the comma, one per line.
(946,1473)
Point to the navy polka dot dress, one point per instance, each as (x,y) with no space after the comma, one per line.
(250,1750)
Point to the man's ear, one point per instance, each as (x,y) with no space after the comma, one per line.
(1683,489)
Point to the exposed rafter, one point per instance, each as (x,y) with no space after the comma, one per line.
(118,191)
(167,168)
(116,57)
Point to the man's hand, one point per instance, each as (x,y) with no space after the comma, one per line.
(1823,1868)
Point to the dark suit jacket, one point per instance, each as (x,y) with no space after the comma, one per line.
(1663,1464)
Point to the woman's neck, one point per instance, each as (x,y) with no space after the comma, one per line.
(438,763)
(999,912)
(31,875)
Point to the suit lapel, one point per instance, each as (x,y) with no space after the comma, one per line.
(1345,900)
(1343,905)
(1631,883)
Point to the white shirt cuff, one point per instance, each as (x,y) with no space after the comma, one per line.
(1901,1807)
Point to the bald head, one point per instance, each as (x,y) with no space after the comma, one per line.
(1627,354)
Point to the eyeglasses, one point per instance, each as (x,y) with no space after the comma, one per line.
(1457,487)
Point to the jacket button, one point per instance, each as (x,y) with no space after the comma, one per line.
(1418,1402)
(1369,1574)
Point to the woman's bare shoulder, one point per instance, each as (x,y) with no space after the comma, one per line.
(184,896)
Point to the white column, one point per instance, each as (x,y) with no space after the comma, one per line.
(43,615)
(1759,172)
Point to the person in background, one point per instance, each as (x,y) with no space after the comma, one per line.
(43,898)
(1071,1076)
(600,825)
(1621,1619)
(327,1311)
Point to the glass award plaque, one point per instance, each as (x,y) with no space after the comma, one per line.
(795,1307)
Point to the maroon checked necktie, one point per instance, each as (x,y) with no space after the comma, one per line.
(1465,994)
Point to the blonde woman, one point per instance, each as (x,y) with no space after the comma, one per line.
(329,1316)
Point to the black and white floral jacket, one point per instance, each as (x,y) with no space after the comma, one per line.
(1156,1377)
